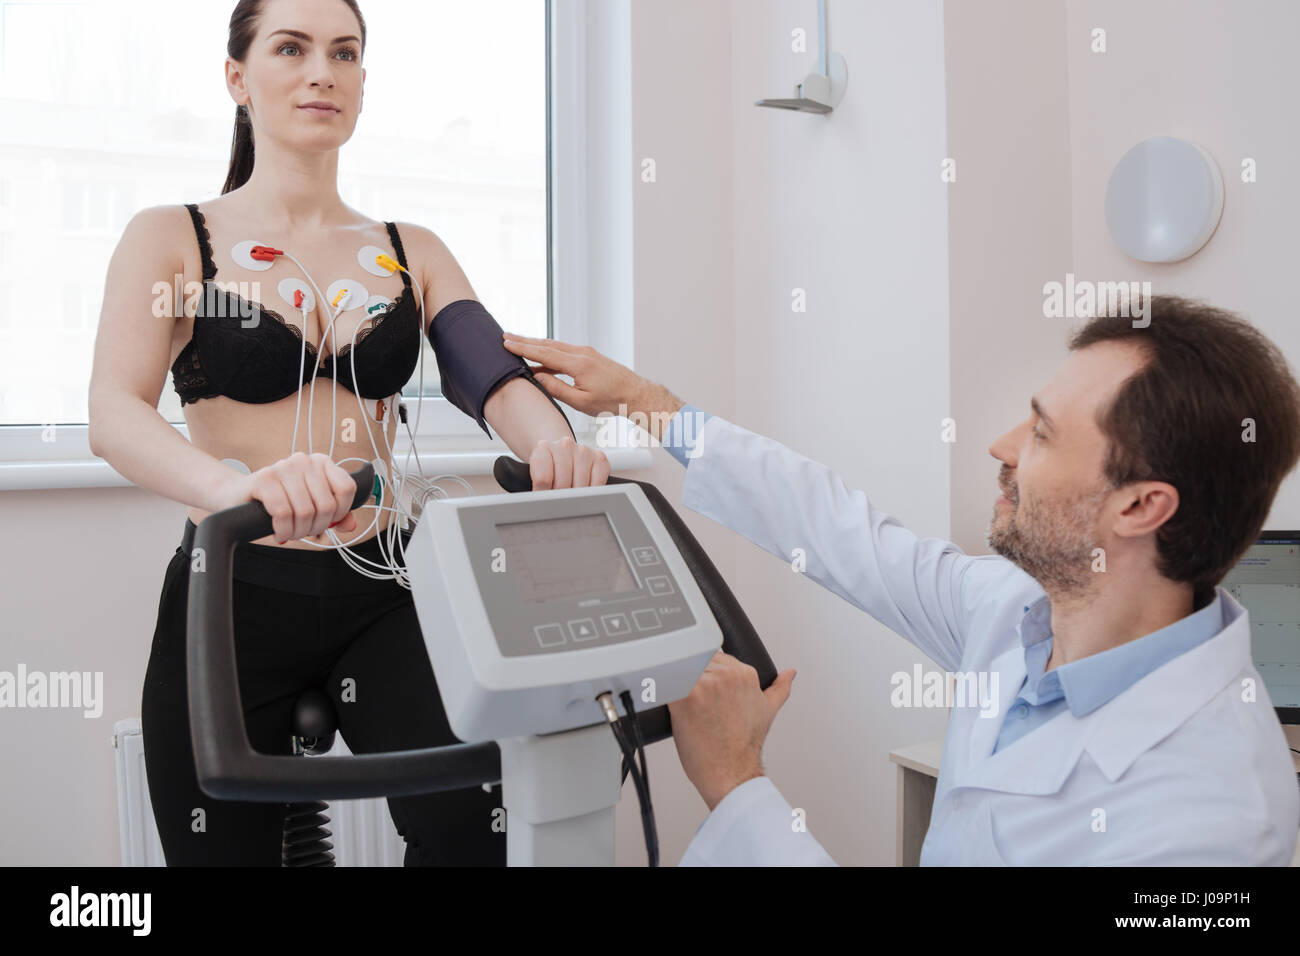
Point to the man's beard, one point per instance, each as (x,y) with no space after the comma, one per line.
(1052,545)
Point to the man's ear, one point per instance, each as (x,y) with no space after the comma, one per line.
(1155,503)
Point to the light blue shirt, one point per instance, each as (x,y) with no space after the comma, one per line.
(1086,684)
(1082,685)
(682,431)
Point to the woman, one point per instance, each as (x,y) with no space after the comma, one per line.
(256,376)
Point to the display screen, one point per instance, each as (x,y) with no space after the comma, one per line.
(1266,582)
(565,557)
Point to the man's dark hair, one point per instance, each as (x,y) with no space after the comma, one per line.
(1215,412)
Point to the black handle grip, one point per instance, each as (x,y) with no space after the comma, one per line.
(739,638)
(228,767)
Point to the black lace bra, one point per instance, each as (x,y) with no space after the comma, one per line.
(233,353)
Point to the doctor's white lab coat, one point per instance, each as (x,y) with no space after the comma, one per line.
(1187,766)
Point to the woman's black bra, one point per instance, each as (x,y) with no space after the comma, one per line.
(234,353)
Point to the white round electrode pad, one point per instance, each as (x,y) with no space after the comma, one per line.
(377,305)
(240,253)
(366,256)
(356,298)
(288,287)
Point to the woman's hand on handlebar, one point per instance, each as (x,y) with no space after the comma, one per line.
(304,494)
(565,463)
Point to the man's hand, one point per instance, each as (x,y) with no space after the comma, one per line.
(599,383)
(720,726)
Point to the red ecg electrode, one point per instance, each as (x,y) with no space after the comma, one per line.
(265,253)
(297,298)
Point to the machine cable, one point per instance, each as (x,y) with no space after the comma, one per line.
(632,745)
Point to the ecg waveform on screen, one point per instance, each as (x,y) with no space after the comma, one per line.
(1274,636)
(565,557)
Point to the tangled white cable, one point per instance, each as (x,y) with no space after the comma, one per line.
(424,489)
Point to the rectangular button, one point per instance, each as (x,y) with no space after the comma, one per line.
(646,619)
(659,585)
(549,635)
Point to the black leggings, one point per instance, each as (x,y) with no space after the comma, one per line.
(303,618)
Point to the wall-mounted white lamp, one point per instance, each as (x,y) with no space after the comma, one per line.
(1164,200)
(822,91)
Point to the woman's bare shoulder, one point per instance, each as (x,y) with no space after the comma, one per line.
(156,234)
(433,264)
(424,246)
(420,237)
(167,221)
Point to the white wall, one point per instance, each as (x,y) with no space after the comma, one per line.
(683,311)
(82,573)
(1008,229)
(749,204)
(850,208)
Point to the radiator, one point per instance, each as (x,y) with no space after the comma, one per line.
(362,831)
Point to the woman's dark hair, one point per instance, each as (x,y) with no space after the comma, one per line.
(1216,413)
(243,28)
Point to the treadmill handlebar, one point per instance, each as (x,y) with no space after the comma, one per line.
(228,766)
(230,769)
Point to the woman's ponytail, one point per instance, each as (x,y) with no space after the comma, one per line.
(241,152)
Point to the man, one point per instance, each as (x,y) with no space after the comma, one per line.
(1131,725)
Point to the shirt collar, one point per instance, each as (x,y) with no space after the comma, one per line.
(1091,681)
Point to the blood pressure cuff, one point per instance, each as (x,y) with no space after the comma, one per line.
(474,362)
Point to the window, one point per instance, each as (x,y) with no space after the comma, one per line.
(453,136)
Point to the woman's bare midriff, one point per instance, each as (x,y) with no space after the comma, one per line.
(260,435)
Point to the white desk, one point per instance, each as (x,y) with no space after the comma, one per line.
(918,772)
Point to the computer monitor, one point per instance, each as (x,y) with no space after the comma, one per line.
(1266,582)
